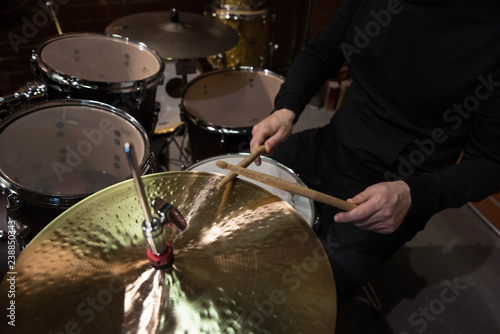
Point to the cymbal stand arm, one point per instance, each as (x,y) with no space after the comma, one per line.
(159,251)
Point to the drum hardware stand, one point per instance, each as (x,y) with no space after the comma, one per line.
(316,224)
(3,235)
(184,158)
(30,93)
(139,87)
(273,48)
(222,143)
(372,296)
(150,167)
(183,67)
(156,112)
(13,208)
(125,7)
(159,251)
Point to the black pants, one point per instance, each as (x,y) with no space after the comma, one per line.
(355,254)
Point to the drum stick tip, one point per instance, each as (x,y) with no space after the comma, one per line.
(221,164)
(243,163)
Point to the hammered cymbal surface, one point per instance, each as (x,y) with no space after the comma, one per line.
(254,267)
(194,36)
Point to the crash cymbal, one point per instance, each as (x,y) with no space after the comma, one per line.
(255,267)
(177,36)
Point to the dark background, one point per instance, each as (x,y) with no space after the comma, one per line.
(294,23)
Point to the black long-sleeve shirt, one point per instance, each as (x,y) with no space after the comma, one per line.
(426,87)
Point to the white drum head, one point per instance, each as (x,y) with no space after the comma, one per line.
(100,58)
(169,117)
(304,206)
(232,98)
(68,148)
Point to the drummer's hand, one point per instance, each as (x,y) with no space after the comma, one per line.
(273,130)
(381,207)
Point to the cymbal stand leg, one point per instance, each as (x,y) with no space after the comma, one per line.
(184,158)
(372,296)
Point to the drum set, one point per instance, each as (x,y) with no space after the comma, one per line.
(70,204)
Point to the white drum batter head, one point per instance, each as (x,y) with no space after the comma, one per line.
(67,148)
(99,58)
(303,205)
(231,99)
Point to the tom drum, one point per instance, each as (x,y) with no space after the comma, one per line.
(221,108)
(106,68)
(56,153)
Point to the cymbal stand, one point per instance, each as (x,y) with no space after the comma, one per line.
(184,156)
(125,7)
(159,251)
(183,67)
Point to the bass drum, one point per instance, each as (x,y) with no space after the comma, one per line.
(221,108)
(169,95)
(253,27)
(105,68)
(54,154)
(304,206)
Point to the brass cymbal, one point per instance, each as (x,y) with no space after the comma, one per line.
(186,36)
(255,267)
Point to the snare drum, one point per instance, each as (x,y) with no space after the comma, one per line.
(304,206)
(253,27)
(106,68)
(54,154)
(221,107)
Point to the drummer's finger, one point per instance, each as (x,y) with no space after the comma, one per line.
(259,136)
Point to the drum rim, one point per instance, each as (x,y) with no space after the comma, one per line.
(214,127)
(9,186)
(271,161)
(75,82)
(263,158)
(240,13)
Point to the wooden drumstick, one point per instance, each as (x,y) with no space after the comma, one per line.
(50,6)
(288,186)
(243,163)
